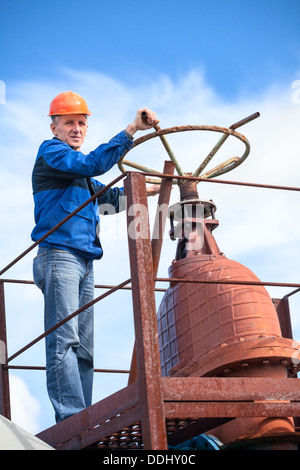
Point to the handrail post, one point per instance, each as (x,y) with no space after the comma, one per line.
(145,322)
(4,373)
(157,239)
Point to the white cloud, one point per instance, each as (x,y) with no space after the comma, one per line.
(259,228)
(25,409)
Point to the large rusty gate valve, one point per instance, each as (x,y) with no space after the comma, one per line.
(216,317)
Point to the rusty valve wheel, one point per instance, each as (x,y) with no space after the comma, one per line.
(224,167)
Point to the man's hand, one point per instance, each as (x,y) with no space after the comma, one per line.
(142,122)
(153,190)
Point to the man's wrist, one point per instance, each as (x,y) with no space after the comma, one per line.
(131,129)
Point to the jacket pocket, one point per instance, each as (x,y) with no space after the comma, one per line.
(70,206)
(39,270)
(80,230)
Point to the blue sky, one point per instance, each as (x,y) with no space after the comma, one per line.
(194,62)
(242,45)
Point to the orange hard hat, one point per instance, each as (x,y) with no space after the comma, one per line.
(68,102)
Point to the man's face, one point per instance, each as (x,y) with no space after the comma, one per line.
(71,129)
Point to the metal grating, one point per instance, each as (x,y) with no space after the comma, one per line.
(130,437)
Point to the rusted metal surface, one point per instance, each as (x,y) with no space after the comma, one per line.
(166,145)
(93,420)
(224,167)
(231,410)
(262,403)
(218,146)
(4,374)
(224,329)
(169,152)
(283,312)
(148,358)
(195,319)
(230,182)
(161,215)
(154,411)
(230,389)
(244,121)
(157,239)
(221,169)
(106,371)
(191,405)
(236,282)
(265,351)
(188,190)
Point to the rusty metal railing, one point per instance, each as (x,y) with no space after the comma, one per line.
(4,380)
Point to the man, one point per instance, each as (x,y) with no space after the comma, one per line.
(62,179)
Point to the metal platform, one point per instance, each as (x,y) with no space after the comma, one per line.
(191,406)
(155,412)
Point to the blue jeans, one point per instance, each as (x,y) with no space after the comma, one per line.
(67,282)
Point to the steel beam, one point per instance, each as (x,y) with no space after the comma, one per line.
(92,418)
(4,373)
(250,389)
(157,239)
(146,334)
(284,317)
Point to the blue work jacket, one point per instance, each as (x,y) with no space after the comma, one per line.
(62,179)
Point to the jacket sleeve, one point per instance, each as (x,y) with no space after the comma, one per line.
(112,201)
(69,163)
